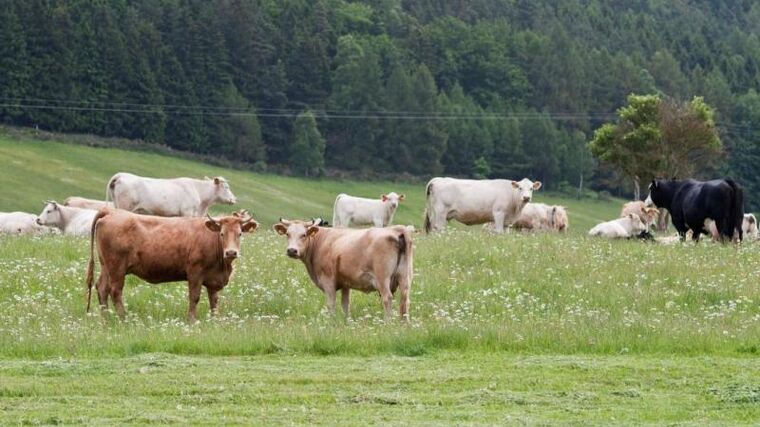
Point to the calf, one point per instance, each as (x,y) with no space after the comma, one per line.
(630,226)
(72,221)
(350,210)
(373,259)
(159,250)
(540,216)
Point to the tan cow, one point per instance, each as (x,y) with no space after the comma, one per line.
(159,250)
(647,214)
(540,216)
(84,203)
(367,260)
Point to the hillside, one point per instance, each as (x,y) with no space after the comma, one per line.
(34,171)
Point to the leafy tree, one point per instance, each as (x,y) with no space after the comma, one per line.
(655,137)
(308,149)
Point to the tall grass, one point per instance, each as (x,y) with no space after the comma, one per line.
(472,291)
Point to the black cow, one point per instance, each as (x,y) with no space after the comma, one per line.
(690,202)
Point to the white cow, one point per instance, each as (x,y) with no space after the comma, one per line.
(21,223)
(350,210)
(749,228)
(471,201)
(628,226)
(540,216)
(70,220)
(82,202)
(168,197)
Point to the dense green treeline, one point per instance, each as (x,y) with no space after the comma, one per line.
(502,88)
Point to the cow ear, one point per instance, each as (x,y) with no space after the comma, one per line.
(280,228)
(401,197)
(537,185)
(384,197)
(312,230)
(250,226)
(515,184)
(213,225)
(217,181)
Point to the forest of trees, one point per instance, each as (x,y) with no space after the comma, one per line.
(497,88)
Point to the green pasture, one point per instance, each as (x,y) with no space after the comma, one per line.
(505,329)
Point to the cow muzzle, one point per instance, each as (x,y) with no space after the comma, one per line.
(230,254)
(292,252)
(526,199)
(38,221)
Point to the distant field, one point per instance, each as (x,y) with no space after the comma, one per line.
(35,171)
(505,329)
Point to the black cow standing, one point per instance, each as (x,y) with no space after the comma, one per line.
(690,202)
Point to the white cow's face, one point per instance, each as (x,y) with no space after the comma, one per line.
(51,215)
(392,198)
(298,233)
(637,226)
(525,188)
(223,192)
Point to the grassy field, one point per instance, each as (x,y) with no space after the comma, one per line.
(505,329)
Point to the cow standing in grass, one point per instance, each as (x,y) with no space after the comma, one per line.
(341,259)
(159,250)
(473,202)
(691,202)
(168,197)
(350,210)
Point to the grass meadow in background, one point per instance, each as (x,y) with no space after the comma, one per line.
(505,329)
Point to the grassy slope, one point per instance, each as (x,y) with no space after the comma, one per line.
(34,171)
(479,303)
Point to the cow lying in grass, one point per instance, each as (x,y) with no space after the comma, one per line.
(158,250)
(621,228)
(367,260)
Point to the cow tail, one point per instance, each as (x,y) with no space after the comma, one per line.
(736,212)
(110,189)
(335,211)
(553,218)
(404,260)
(428,208)
(91,263)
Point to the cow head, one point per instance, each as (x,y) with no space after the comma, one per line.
(659,193)
(649,215)
(298,233)
(230,230)
(51,214)
(525,189)
(637,225)
(222,192)
(392,198)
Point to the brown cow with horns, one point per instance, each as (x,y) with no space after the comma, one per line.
(367,260)
(159,249)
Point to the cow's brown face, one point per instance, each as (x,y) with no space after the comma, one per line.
(525,188)
(231,229)
(298,233)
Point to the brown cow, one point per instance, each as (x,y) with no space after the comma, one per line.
(374,259)
(158,250)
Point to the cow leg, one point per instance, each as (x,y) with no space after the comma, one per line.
(328,286)
(117,286)
(102,288)
(344,301)
(193,296)
(498,221)
(403,286)
(384,287)
(213,301)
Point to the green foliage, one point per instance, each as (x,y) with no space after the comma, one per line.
(518,82)
(307,156)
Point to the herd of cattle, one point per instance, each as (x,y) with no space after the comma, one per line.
(160,230)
